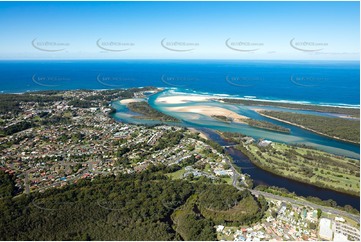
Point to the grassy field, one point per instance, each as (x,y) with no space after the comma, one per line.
(228,180)
(307,165)
(176,175)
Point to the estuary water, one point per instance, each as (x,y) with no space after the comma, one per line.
(209,125)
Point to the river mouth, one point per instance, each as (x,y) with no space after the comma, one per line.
(208,125)
(182,104)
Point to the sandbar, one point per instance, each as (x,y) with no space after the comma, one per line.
(210,111)
(130,100)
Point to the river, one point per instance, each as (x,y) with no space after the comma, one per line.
(262,177)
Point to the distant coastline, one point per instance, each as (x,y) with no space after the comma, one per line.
(211,96)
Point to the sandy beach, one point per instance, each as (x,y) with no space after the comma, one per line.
(130,100)
(209,111)
(181,99)
(201,134)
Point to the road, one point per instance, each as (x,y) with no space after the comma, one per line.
(337,212)
(305,203)
(26,183)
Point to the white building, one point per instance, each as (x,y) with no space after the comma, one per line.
(347,230)
(325,229)
(220,228)
(264,143)
(339,237)
(339,219)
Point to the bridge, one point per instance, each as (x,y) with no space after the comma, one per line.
(228,146)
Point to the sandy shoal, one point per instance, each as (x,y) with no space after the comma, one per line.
(209,111)
(258,109)
(130,100)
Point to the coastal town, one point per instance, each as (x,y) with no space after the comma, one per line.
(292,223)
(90,143)
(64,142)
(287,222)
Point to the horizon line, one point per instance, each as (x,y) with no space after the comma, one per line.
(165,59)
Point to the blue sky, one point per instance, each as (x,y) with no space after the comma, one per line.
(189,30)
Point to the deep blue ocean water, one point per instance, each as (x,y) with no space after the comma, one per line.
(335,83)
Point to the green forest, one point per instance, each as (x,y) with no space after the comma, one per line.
(143,206)
(267,125)
(341,128)
(149,112)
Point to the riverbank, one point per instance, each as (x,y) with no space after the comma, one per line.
(201,133)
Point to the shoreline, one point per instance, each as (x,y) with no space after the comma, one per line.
(201,133)
(210,96)
(303,127)
(305,103)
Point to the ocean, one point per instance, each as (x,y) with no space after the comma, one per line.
(321,82)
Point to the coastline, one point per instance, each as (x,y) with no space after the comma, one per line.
(184,96)
(303,127)
(304,103)
(207,96)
